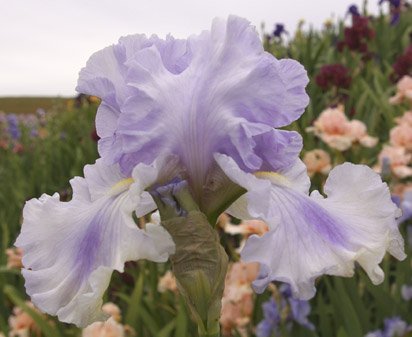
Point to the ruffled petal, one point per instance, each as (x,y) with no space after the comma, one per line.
(71,248)
(311,235)
(215,92)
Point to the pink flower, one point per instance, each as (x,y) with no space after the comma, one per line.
(397,159)
(242,273)
(18,148)
(334,128)
(332,121)
(400,189)
(247,228)
(317,161)
(358,132)
(237,302)
(14,256)
(405,119)
(404,90)
(113,310)
(21,324)
(167,282)
(110,328)
(401,136)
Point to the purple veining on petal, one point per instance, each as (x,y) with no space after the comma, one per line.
(304,224)
(305,210)
(88,248)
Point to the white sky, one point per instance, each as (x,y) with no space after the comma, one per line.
(44,43)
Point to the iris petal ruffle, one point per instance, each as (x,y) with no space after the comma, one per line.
(311,235)
(215,92)
(71,248)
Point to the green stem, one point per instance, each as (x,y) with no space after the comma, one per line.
(213,331)
(217,334)
(199,262)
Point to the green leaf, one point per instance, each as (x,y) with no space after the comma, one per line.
(135,302)
(167,330)
(5,270)
(342,333)
(149,322)
(343,308)
(181,320)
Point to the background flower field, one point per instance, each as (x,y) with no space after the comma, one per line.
(360,93)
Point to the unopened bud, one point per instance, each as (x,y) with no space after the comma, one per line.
(200,262)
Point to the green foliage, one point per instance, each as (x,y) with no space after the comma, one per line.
(342,307)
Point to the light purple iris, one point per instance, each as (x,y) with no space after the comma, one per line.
(406,292)
(274,314)
(13,126)
(393,327)
(405,205)
(204,110)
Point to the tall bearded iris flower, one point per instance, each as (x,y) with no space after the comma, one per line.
(190,127)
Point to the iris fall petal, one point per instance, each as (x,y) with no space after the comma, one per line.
(71,248)
(311,235)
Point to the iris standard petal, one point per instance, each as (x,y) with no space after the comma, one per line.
(71,248)
(311,235)
(215,92)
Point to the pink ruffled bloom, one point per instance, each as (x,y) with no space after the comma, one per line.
(21,324)
(334,128)
(237,302)
(405,119)
(399,190)
(404,90)
(317,161)
(167,282)
(113,310)
(398,160)
(401,136)
(110,328)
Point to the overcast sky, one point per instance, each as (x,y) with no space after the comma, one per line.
(44,43)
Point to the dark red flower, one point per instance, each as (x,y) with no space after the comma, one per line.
(333,75)
(402,65)
(357,36)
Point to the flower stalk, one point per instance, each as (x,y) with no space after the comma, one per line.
(199,262)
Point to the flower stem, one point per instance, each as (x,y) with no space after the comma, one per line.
(199,262)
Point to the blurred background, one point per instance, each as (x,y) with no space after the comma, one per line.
(358,56)
(45,44)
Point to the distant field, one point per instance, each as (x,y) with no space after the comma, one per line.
(30,104)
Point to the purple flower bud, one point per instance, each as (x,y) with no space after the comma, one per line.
(279,30)
(353,10)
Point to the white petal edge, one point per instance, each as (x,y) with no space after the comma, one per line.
(71,248)
(311,236)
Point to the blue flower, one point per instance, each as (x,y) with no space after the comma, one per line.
(279,30)
(353,10)
(405,204)
(13,126)
(297,312)
(406,292)
(393,327)
(206,111)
